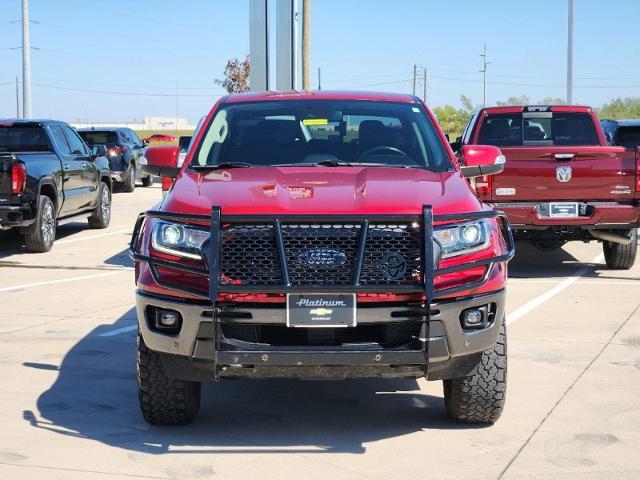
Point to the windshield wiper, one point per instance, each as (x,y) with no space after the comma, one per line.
(330,162)
(200,168)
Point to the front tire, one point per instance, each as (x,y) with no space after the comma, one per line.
(621,257)
(480,397)
(164,400)
(41,239)
(102,214)
(129,183)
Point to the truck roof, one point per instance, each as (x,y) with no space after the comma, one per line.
(320,95)
(626,122)
(540,108)
(28,121)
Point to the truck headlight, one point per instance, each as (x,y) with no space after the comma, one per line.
(178,239)
(462,238)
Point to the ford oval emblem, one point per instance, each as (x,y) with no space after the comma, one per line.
(322,258)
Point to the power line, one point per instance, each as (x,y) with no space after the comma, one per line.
(484,74)
(131,94)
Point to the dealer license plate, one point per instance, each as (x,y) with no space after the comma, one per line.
(328,310)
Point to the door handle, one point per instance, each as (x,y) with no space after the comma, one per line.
(84,164)
(564,156)
(66,166)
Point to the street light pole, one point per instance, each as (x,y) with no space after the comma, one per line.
(306,44)
(26,62)
(570,53)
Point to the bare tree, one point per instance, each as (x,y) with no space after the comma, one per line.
(236,76)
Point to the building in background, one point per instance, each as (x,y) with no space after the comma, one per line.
(149,123)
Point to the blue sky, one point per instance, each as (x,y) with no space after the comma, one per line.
(125,59)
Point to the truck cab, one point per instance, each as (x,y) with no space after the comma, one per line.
(321,235)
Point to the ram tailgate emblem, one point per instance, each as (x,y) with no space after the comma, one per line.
(563,174)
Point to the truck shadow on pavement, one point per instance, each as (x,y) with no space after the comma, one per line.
(12,243)
(95,397)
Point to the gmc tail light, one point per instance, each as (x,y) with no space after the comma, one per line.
(18,177)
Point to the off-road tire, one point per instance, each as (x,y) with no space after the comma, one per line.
(43,233)
(147,181)
(621,257)
(129,182)
(479,397)
(102,214)
(164,400)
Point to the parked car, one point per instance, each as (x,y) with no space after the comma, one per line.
(49,176)
(561,181)
(183,142)
(124,151)
(323,235)
(623,133)
(160,137)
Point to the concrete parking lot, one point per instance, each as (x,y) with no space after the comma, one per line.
(69,400)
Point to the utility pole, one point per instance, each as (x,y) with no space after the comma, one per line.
(17,99)
(306,44)
(570,53)
(484,75)
(26,62)
(319,79)
(415,74)
(424,84)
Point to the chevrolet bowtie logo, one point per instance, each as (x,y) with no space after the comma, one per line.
(321,311)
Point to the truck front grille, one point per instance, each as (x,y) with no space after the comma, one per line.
(321,254)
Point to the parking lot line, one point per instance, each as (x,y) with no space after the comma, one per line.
(63,280)
(91,237)
(118,331)
(520,312)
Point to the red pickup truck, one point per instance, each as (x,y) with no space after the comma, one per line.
(322,235)
(561,181)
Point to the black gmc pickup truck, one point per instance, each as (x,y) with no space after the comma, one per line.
(49,176)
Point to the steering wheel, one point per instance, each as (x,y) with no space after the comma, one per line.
(381,148)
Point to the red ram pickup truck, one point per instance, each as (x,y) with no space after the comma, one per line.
(561,181)
(321,235)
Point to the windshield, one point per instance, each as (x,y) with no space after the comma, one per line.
(295,132)
(517,129)
(96,137)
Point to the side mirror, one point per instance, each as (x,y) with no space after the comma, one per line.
(162,162)
(98,151)
(144,143)
(479,160)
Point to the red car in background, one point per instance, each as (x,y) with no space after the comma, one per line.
(160,137)
(562,181)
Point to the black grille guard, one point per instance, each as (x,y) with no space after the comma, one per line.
(212,252)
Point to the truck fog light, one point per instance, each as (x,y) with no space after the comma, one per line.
(168,321)
(474,317)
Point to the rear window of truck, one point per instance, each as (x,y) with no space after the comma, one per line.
(516,129)
(23,139)
(99,138)
(628,137)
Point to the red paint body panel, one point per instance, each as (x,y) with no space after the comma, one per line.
(600,173)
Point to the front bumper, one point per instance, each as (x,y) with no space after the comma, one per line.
(15,216)
(201,350)
(609,215)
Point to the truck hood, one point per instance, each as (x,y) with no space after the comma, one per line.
(320,190)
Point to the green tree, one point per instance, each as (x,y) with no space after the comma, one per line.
(452,119)
(552,101)
(521,100)
(628,107)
